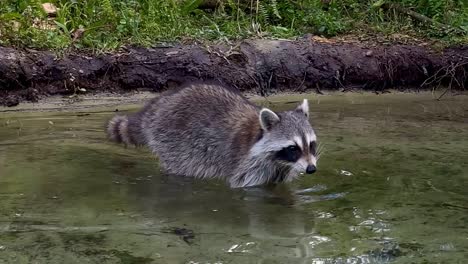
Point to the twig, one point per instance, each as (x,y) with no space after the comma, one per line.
(302,83)
(337,77)
(448,72)
(446,90)
(415,15)
(317,87)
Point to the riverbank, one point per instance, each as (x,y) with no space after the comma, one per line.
(264,67)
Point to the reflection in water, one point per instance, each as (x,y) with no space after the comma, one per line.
(391,187)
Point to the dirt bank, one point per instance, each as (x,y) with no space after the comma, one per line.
(262,66)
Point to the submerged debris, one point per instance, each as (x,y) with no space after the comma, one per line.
(185,234)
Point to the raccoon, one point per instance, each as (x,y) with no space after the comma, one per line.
(211,131)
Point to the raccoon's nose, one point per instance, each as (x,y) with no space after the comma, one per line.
(310,169)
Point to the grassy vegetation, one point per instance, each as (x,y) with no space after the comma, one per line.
(103,25)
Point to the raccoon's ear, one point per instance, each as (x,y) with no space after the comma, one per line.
(304,107)
(268,119)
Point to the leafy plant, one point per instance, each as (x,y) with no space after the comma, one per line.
(109,24)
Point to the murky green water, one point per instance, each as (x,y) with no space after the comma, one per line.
(392,186)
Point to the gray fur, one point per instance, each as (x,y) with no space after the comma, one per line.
(268,119)
(208,131)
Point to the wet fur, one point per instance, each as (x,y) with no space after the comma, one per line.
(209,131)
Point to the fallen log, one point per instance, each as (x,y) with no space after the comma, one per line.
(263,66)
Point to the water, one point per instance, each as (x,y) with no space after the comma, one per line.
(391,187)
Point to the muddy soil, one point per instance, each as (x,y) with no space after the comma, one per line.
(260,66)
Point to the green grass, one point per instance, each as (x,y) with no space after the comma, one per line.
(110,24)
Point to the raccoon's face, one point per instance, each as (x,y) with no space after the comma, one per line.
(289,140)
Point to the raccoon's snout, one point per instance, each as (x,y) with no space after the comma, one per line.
(311,169)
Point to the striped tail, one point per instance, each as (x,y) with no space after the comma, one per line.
(118,130)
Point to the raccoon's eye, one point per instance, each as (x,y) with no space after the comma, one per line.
(291,154)
(293,148)
(313,148)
